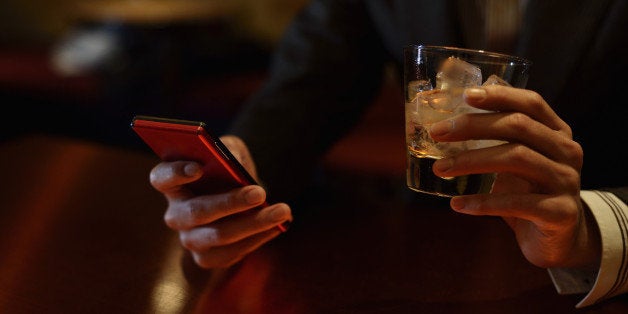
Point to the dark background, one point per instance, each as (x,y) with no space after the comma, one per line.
(199,65)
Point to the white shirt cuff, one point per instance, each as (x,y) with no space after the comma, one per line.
(611,215)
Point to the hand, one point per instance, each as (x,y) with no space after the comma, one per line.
(218,229)
(537,189)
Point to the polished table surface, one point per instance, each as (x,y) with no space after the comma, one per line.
(81,231)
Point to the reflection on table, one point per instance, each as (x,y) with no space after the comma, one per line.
(81,231)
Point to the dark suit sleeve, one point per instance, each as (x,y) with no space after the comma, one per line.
(326,70)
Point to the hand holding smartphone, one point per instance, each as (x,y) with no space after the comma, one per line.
(174,139)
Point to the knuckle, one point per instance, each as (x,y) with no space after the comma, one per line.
(183,215)
(566,129)
(198,240)
(573,151)
(225,201)
(186,241)
(519,122)
(559,211)
(536,100)
(195,211)
(570,178)
(519,154)
(170,219)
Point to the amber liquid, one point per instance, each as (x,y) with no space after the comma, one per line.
(421,178)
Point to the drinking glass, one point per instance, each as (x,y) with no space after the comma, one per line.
(434,80)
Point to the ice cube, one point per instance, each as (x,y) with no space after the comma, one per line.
(418,86)
(475,144)
(438,100)
(454,72)
(463,107)
(447,149)
(495,80)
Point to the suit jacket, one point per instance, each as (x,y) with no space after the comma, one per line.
(329,65)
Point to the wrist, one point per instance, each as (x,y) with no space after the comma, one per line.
(588,245)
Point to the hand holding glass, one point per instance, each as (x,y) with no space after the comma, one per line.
(434,80)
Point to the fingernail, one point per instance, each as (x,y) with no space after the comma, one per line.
(254,196)
(277,214)
(457,203)
(191,169)
(443,165)
(475,94)
(442,127)
(466,204)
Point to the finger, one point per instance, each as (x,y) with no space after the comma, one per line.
(169,177)
(544,225)
(239,150)
(225,256)
(547,175)
(504,98)
(234,144)
(507,183)
(547,212)
(236,228)
(193,212)
(512,127)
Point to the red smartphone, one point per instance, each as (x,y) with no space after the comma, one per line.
(175,139)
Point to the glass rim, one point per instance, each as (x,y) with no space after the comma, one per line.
(490,54)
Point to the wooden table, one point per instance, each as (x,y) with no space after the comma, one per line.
(81,231)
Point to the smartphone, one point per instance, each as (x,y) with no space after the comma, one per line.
(175,139)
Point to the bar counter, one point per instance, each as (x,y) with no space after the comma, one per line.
(81,231)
